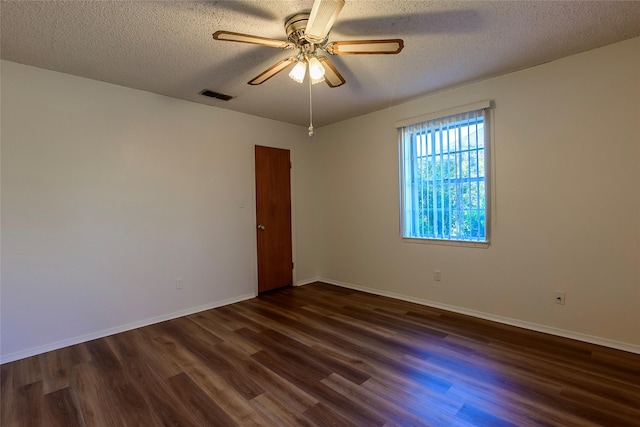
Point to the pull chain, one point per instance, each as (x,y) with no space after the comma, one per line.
(310,111)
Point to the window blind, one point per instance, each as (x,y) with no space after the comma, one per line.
(444,167)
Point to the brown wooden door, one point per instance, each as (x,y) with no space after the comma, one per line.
(273,214)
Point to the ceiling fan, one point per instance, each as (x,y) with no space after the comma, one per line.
(309,34)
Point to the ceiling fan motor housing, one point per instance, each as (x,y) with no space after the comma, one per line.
(295,26)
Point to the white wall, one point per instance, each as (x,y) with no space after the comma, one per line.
(567,217)
(109,194)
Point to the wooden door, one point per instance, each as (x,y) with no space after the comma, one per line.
(273,214)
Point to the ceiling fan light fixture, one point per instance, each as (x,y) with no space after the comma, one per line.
(316,70)
(298,72)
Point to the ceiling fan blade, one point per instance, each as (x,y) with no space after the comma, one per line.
(331,75)
(322,17)
(365,47)
(248,38)
(272,71)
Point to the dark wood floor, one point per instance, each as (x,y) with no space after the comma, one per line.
(323,355)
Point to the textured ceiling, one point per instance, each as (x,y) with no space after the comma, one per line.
(166,47)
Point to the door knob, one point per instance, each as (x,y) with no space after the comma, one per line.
(261,227)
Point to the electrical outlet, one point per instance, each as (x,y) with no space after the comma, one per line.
(437,276)
(560,297)
(179,284)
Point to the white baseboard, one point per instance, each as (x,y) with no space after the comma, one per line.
(308,281)
(632,348)
(487,316)
(5,358)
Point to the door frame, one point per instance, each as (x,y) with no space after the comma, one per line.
(254,215)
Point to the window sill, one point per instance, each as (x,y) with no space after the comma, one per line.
(482,245)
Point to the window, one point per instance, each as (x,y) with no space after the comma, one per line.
(443,176)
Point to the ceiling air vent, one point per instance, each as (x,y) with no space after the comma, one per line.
(212,94)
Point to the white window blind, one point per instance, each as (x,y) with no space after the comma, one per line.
(444,170)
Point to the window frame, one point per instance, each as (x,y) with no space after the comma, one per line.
(488,141)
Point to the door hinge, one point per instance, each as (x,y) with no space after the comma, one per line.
(292,266)
(290,165)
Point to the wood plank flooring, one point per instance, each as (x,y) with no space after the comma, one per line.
(321,355)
